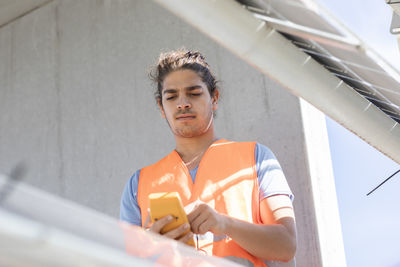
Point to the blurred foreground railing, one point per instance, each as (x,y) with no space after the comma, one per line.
(40,229)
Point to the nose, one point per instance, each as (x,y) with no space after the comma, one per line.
(184,104)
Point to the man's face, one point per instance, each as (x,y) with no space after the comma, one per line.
(187,104)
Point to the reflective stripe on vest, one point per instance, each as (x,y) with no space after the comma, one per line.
(226,180)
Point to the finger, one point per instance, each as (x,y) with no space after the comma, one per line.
(196,212)
(205,226)
(177,232)
(186,238)
(195,224)
(158,225)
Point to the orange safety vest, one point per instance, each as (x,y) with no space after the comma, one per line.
(226,180)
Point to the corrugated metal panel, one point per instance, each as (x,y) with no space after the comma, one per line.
(307,26)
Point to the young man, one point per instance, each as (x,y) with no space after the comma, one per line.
(245,212)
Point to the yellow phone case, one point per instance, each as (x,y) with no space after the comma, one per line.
(168,203)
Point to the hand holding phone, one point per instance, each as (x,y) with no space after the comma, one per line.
(169,217)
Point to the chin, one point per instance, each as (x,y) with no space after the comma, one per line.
(187,133)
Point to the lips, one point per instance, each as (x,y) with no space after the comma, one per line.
(185,117)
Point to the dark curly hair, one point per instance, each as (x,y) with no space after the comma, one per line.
(182,59)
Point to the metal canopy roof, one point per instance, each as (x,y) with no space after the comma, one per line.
(313,31)
(311,54)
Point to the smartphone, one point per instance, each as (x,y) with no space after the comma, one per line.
(168,203)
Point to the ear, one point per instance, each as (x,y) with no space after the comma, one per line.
(161,108)
(214,100)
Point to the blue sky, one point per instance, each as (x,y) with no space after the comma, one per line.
(370,224)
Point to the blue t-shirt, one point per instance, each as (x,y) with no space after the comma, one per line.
(271,181)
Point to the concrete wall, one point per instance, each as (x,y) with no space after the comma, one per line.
(77,106)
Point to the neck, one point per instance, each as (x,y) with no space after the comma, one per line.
(191,149)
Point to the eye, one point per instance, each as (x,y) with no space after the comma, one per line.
(170,97)
(195,94)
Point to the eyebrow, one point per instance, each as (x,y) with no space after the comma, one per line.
(190,88)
